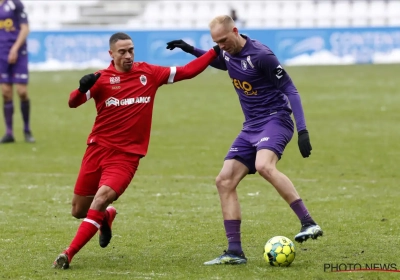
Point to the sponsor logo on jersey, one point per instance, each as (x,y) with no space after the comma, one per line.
(112,101)
(115,80)
(7,24)
(143,80)
(245,86)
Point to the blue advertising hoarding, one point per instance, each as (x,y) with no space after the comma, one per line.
(89,48)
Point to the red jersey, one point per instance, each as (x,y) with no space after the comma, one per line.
(124,101)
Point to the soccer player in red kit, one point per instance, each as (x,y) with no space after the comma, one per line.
(124,96)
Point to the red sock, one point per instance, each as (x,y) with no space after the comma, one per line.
(86,231)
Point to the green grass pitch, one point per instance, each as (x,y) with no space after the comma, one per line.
(169,219)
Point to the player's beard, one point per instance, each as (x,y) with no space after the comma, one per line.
(127,66)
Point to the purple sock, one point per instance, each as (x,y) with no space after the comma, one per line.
(301,211)
(8,109)
(232,229)
(25,108)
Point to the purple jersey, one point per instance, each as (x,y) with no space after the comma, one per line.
(12,14)
(263,86)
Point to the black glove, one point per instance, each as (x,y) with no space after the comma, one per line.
(87,81)
(217,49)
(304,143)
(180,44)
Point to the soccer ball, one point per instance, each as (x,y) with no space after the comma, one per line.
(279,251)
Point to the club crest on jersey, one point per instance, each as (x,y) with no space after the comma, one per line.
(143,80)
(243,63)
(115,80)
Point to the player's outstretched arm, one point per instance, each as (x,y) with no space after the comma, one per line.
(217,63)
(83,94)
(196,66)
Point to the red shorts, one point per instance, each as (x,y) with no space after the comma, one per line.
(105,166)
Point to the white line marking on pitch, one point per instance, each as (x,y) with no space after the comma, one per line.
(183,177)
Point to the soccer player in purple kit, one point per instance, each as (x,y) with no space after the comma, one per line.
(268,97)
(14,30)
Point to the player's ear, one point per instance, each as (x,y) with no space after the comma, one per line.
(110,53)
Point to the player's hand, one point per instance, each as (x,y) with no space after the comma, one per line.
(217,49)
(180,44)
(87,81)
(12,56)
(304,143)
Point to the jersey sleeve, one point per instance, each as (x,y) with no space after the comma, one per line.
(218,63)
(169,75)
(20,12)
(77,98)
(164,75)
(273,70)
(276,74)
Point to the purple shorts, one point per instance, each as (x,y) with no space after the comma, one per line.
(274,134)
(14,73)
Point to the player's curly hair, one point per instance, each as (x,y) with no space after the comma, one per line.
(118,36)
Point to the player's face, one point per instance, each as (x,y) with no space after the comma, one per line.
(226,38)
(122,52)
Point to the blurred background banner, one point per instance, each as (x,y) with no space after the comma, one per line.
(56,50)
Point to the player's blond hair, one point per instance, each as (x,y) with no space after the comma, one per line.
(224,20)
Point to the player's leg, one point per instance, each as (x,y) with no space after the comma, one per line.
(25,105)
(118,170)
(89,226)
(7,93)
(85,189)
(8,111)
(20,79)
(87,182)
(266,166)
(276,134)
(238,163)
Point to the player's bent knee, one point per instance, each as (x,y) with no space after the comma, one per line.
(266,171)
(79,210)
(78,213)
(80,206)
(104,197)
(224,183)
